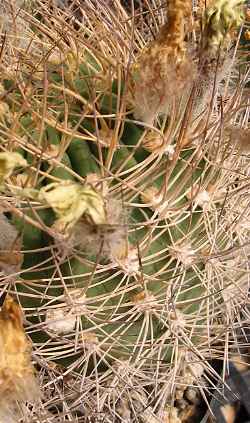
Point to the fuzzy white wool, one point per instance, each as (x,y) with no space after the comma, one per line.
(59,321)
(76,299)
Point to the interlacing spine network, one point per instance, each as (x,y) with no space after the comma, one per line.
(125,210)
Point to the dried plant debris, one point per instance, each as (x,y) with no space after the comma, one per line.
(8,162)
(18,383)
(11,257)
(165,70)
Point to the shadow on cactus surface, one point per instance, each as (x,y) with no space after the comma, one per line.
(125,207)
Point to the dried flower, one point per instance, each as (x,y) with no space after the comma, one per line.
(17,374)
(70,201)
(164,71)
(8,162)
(220,18)
(110,237)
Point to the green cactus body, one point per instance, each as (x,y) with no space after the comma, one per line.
(81,158)
(59,172)
(128,204)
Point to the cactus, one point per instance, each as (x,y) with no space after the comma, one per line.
(124,176)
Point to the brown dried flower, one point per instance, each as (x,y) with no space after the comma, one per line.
(164,70)
(17,375)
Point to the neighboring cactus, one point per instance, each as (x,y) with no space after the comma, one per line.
(124,180)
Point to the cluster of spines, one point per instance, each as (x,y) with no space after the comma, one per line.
(150,274)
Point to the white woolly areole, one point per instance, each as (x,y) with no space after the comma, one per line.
(169,151)
(124,368)
(155,201)
(177,320)
(76,299)
(194,364)
(59,321)
(203,199)
(197,369)
(89,341)
(161,206)
(144,302)
(236,292)
(129,263)
(184,253)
